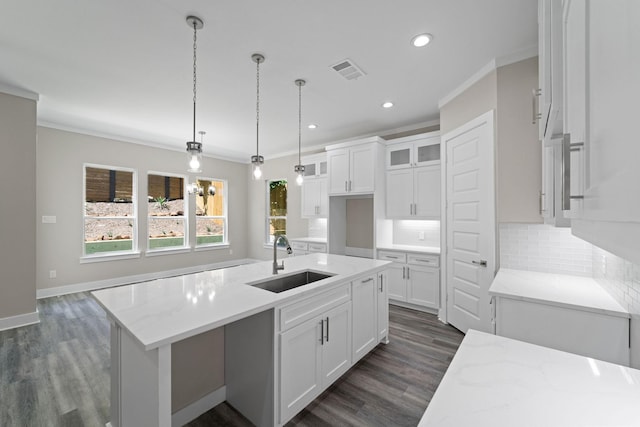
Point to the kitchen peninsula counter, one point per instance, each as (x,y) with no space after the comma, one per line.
(499,382)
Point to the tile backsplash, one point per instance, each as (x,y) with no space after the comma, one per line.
(317,227)
(621,278)
(540,247)
(416,233)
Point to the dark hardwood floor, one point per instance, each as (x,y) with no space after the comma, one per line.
(56,373)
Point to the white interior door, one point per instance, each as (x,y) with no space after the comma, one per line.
(470,223)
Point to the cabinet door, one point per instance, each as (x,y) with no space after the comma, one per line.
(323,199)
(424,286)
(400,193)
(399,156)
(383,308)
(336,346)
(362,169)
(310,198)
(427,152)
(396,283)
(365,336)
(300,367)
(338,161)
(426,192)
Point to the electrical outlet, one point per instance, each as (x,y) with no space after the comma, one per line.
(421,235)
(230,251)
(52,274)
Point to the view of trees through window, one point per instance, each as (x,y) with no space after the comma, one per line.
(276,209)
(109,210)
(211,212)
(167,221)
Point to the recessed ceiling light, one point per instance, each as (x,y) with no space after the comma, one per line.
(387,104)
(312,126)
(421,40)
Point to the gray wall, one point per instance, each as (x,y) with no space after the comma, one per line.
(17,205)
(61,156)
(278,168)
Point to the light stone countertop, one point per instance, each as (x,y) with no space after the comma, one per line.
(410,248)
(499,382)
(309,239)
(563,290)
(164,311)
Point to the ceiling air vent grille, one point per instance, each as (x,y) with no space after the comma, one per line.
(348,69)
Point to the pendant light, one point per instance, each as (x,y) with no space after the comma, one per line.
(299,168)
(257,160)
(194,149)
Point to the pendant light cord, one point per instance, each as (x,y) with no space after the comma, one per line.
(195,39)
(299,122)
(257,105)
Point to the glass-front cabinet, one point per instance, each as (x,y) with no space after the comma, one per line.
(416,150)
(315,166)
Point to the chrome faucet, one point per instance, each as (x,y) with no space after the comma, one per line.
(277,267)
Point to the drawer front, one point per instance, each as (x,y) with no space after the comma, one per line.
(426,260)
(317,247)
(400,257)
(299,246)
(310,307)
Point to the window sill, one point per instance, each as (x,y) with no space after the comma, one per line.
(212,247)
(86,259)
(168,251)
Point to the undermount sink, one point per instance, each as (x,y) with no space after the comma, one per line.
(284,283)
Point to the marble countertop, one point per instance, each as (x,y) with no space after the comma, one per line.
(309,239)
(577,292)
(496,381)
(410,248)
(163,311)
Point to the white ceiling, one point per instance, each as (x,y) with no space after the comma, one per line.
(123,68)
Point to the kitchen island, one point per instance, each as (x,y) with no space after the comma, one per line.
(496,381)
(148,318)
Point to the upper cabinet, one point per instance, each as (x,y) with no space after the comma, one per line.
(413,177)
(315,199)
(352,166)
(547,98)
(418,150)
(315,166)
(602,88)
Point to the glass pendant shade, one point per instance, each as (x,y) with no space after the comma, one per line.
(299,169)
(194,156)
(257,162)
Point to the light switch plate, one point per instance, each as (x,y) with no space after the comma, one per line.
(48,219)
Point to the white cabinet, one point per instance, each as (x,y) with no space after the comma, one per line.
(413,178)
(365,306)
(383,308)
(313,355)
(315,166)
(416,150)
(602,39)
(548,97)
(352,169)
(314,198)
(304,247)
(413,278)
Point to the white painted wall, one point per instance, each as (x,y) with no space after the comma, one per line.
(60,158)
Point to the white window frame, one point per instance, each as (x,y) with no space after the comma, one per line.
(186,244)
(268,237)
(111,255)
(224,217)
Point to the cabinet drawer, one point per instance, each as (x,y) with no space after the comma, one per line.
(393,256)
(426,260)
(300,246)
(317,247)
(308,308)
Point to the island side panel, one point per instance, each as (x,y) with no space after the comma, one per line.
(141,383)
(249,367)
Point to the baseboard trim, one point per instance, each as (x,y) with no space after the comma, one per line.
(127,280)
(199,407)
(19,320)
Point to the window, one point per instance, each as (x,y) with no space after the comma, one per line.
(276,209)
(167,224)
(211,212)
(109,217)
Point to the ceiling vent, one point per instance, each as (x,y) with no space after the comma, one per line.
(348,69)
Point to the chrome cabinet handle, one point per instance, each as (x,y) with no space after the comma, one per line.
(567,148)
(367,280)
(327,337)
(322,332)
(541,196)
(408,270)
(535,100)
(345,186)
(403,273)
(381,287)
(481,263)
